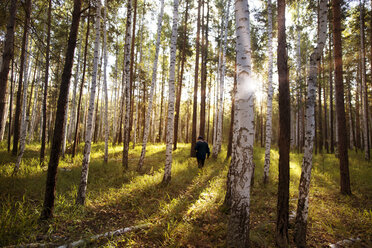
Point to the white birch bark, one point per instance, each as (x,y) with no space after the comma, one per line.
(105,81)
(127,46)
(81,195)
(116,93)
(217,146)
(72,123)
(24,117)
(242,166)
(34,109)
(153,85)
(170,120)
(269,96)
(364,87)
(303,198)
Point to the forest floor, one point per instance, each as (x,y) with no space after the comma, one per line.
(187,213)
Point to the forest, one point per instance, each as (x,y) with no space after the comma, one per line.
(185,123)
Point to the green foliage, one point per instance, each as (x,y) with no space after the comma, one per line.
(187,213)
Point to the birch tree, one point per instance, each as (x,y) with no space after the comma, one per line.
(24,117)
(170,120)
(364,85)
(127,89)
(80,199)
(241,167)
(153,85)
(269,95)
(217,145)
(105,81)
(303,197)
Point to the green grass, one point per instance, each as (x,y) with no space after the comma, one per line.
(186,213)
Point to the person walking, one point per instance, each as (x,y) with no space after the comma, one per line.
(202,149)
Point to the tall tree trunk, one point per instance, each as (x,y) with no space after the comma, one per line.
(132,66)
(331,112)
(340,107)
(76,136)
(320,121)
(269,96)
(105,81)
(217,146)
(231,131)
(7,56)
(73,104)
(242,166)
(24,117)
(127,87)
(364,86)
(180,78)
(10,105)
(81,194)
(326,143)
(48,206)
(46,76)
(196,80)
(171,89)
(153,85)
(21,72)
(161,99)
(284,131)
(203,79)
(304,187)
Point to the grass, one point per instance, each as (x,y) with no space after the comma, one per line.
(186,213)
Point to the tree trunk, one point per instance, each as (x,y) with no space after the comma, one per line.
(180,78)
(21,72)
(217,146)
(231,131)
(161,99)
(45,97)
(105,81)
(127,87)
(61,108)
(331,112)
(241,167)
(132,67)
(196,80)
(10,105)
(304,187)
(203,79)
(81,194)
(76,136)
(284,131)
(269,97)
(7,56)
(340,107)
(364,86)
(171,89)
(153,85)
(24,117)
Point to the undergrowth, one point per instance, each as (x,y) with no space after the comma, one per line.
(188,212)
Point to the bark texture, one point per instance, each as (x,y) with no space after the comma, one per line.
(61,108)
(303,197)
(284,131)
(340,107)
(126,77)
(269,95)
(170,119)
(81,194)
(241,167)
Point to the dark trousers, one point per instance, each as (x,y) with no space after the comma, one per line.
(200,162)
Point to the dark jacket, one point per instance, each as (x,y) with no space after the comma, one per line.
(202,149)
